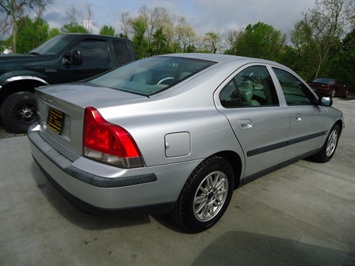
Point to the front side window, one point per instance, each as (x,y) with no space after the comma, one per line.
(94,52)
(252,87)
(296,93)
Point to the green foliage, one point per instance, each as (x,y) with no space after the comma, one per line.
(37,30)
(259,40)
(53,32)
(159,44)
(73,27)
(303,51)
(122,35)
(107,30)
(340,63)
(140,43)
(318,33)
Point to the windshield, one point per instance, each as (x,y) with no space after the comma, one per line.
(53,46)
(152,75)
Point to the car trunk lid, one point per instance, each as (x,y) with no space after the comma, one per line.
(61,112)
(318,86)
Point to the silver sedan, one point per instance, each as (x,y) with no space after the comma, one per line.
(178,133)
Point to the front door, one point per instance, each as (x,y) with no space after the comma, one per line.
(307,131)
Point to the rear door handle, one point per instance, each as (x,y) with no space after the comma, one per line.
(244,124)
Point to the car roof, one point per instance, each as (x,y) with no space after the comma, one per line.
(88,35)
(221,58)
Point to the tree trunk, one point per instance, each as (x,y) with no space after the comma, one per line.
(14,35)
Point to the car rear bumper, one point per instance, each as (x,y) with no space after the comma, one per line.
(130,190)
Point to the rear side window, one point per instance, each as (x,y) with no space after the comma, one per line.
(252,87)
(121,52)
(296,93)
(94,52)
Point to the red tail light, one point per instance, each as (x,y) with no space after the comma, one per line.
(109,143)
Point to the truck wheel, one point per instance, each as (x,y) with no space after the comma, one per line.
(205,195)
(18,111)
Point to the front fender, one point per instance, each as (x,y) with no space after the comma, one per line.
(18,75)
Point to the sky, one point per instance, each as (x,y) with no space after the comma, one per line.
(203,15)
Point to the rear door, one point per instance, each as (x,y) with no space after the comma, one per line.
(308,121)
(261,125)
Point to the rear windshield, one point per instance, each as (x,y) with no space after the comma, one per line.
(152,75)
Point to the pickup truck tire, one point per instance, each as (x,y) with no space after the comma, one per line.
(18,111)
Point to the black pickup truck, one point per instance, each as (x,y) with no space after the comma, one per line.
(64,58)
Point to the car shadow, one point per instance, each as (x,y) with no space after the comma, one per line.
(245,248)
(80,217)
(351,96)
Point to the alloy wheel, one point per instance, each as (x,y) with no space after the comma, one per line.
(210,196)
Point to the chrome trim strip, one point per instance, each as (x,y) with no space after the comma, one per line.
(18,78)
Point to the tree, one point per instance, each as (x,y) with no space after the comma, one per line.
(320,28)
(210,42)
(53,32)
(140,44)
(231,38)
(185,35)
(303,61)
(39,6)
(259,40)
(73,28)
(36,28)
(14,10)
(124,25)
(80,19)
(159,43)
(155,19)
(107,30)
(340,62)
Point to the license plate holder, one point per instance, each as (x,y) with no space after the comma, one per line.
(55,120)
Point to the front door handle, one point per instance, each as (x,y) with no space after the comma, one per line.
(298,118)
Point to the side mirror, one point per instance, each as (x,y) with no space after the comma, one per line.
(72,58)
(325,101)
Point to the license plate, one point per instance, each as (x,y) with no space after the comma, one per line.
(55,120)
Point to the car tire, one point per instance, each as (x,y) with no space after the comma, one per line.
(329,146)
(205,195)
(18,111)
(333,93)
(346,94)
